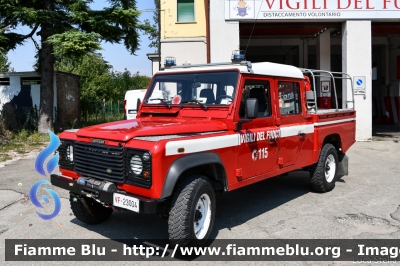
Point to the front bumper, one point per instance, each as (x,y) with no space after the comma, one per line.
(146,205)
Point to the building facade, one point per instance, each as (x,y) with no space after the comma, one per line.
(183,31)
(359,37)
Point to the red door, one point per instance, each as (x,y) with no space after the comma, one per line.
(293,129)
(257,152)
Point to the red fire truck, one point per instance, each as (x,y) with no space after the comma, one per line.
(202,130)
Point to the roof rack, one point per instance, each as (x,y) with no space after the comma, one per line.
(243,63)
(332,76)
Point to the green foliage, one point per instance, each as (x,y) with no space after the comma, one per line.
(94,72)
(4,63)
(74,29)
(74,44)
(98,79)
(73,22)
(122,81)
(153,30)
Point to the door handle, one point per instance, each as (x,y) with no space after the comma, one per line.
(301,134)
(271,140)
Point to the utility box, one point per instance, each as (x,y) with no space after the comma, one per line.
(68,99)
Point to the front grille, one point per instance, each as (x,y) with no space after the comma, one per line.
(99,161)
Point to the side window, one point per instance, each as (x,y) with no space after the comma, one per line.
(260,90)
(185,10)
(289,100)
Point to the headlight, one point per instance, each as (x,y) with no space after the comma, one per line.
(136,165)
(70,153)
(66,154)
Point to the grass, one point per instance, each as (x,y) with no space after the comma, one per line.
(21,143)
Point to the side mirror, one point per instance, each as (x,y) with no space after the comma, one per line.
(251,108)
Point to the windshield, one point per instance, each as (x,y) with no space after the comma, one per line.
(205,89)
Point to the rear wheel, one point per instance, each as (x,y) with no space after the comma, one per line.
(192,215)
(323,173)
(88,210)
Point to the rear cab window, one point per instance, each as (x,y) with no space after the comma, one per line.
(289,98)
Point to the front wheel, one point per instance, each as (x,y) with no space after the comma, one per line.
(192,215)
(88,210)
(323,173)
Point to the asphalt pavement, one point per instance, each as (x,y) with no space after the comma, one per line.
(363,205)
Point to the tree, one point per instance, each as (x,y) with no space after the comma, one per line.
(74,27)
(98,79)
(123,81)
(154,33)
(94,72)
(4,64)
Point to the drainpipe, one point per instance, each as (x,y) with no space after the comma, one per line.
(208,30)
(159,35)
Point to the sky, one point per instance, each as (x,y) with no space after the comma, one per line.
(23,57)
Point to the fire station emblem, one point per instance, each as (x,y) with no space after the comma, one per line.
(242,8)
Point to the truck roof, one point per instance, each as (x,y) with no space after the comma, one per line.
(263,68)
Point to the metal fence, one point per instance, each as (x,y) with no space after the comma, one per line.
(15,118)
(101,111)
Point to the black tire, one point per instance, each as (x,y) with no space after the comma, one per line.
(322,177)
(184,212)
(88,210)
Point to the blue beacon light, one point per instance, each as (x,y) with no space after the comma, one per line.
(170,61)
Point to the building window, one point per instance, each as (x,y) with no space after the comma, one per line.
(30,80)
(5,81)
(185,10)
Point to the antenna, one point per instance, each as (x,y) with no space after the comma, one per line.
(251,34)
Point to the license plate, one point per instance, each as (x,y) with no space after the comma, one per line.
(126,202)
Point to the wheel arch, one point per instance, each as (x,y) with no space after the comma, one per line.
(333,139)
(343,160)
(206,163)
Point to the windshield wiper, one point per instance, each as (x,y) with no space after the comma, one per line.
(198,102)
(162,101)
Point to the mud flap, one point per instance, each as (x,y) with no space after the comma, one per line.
(343,166)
